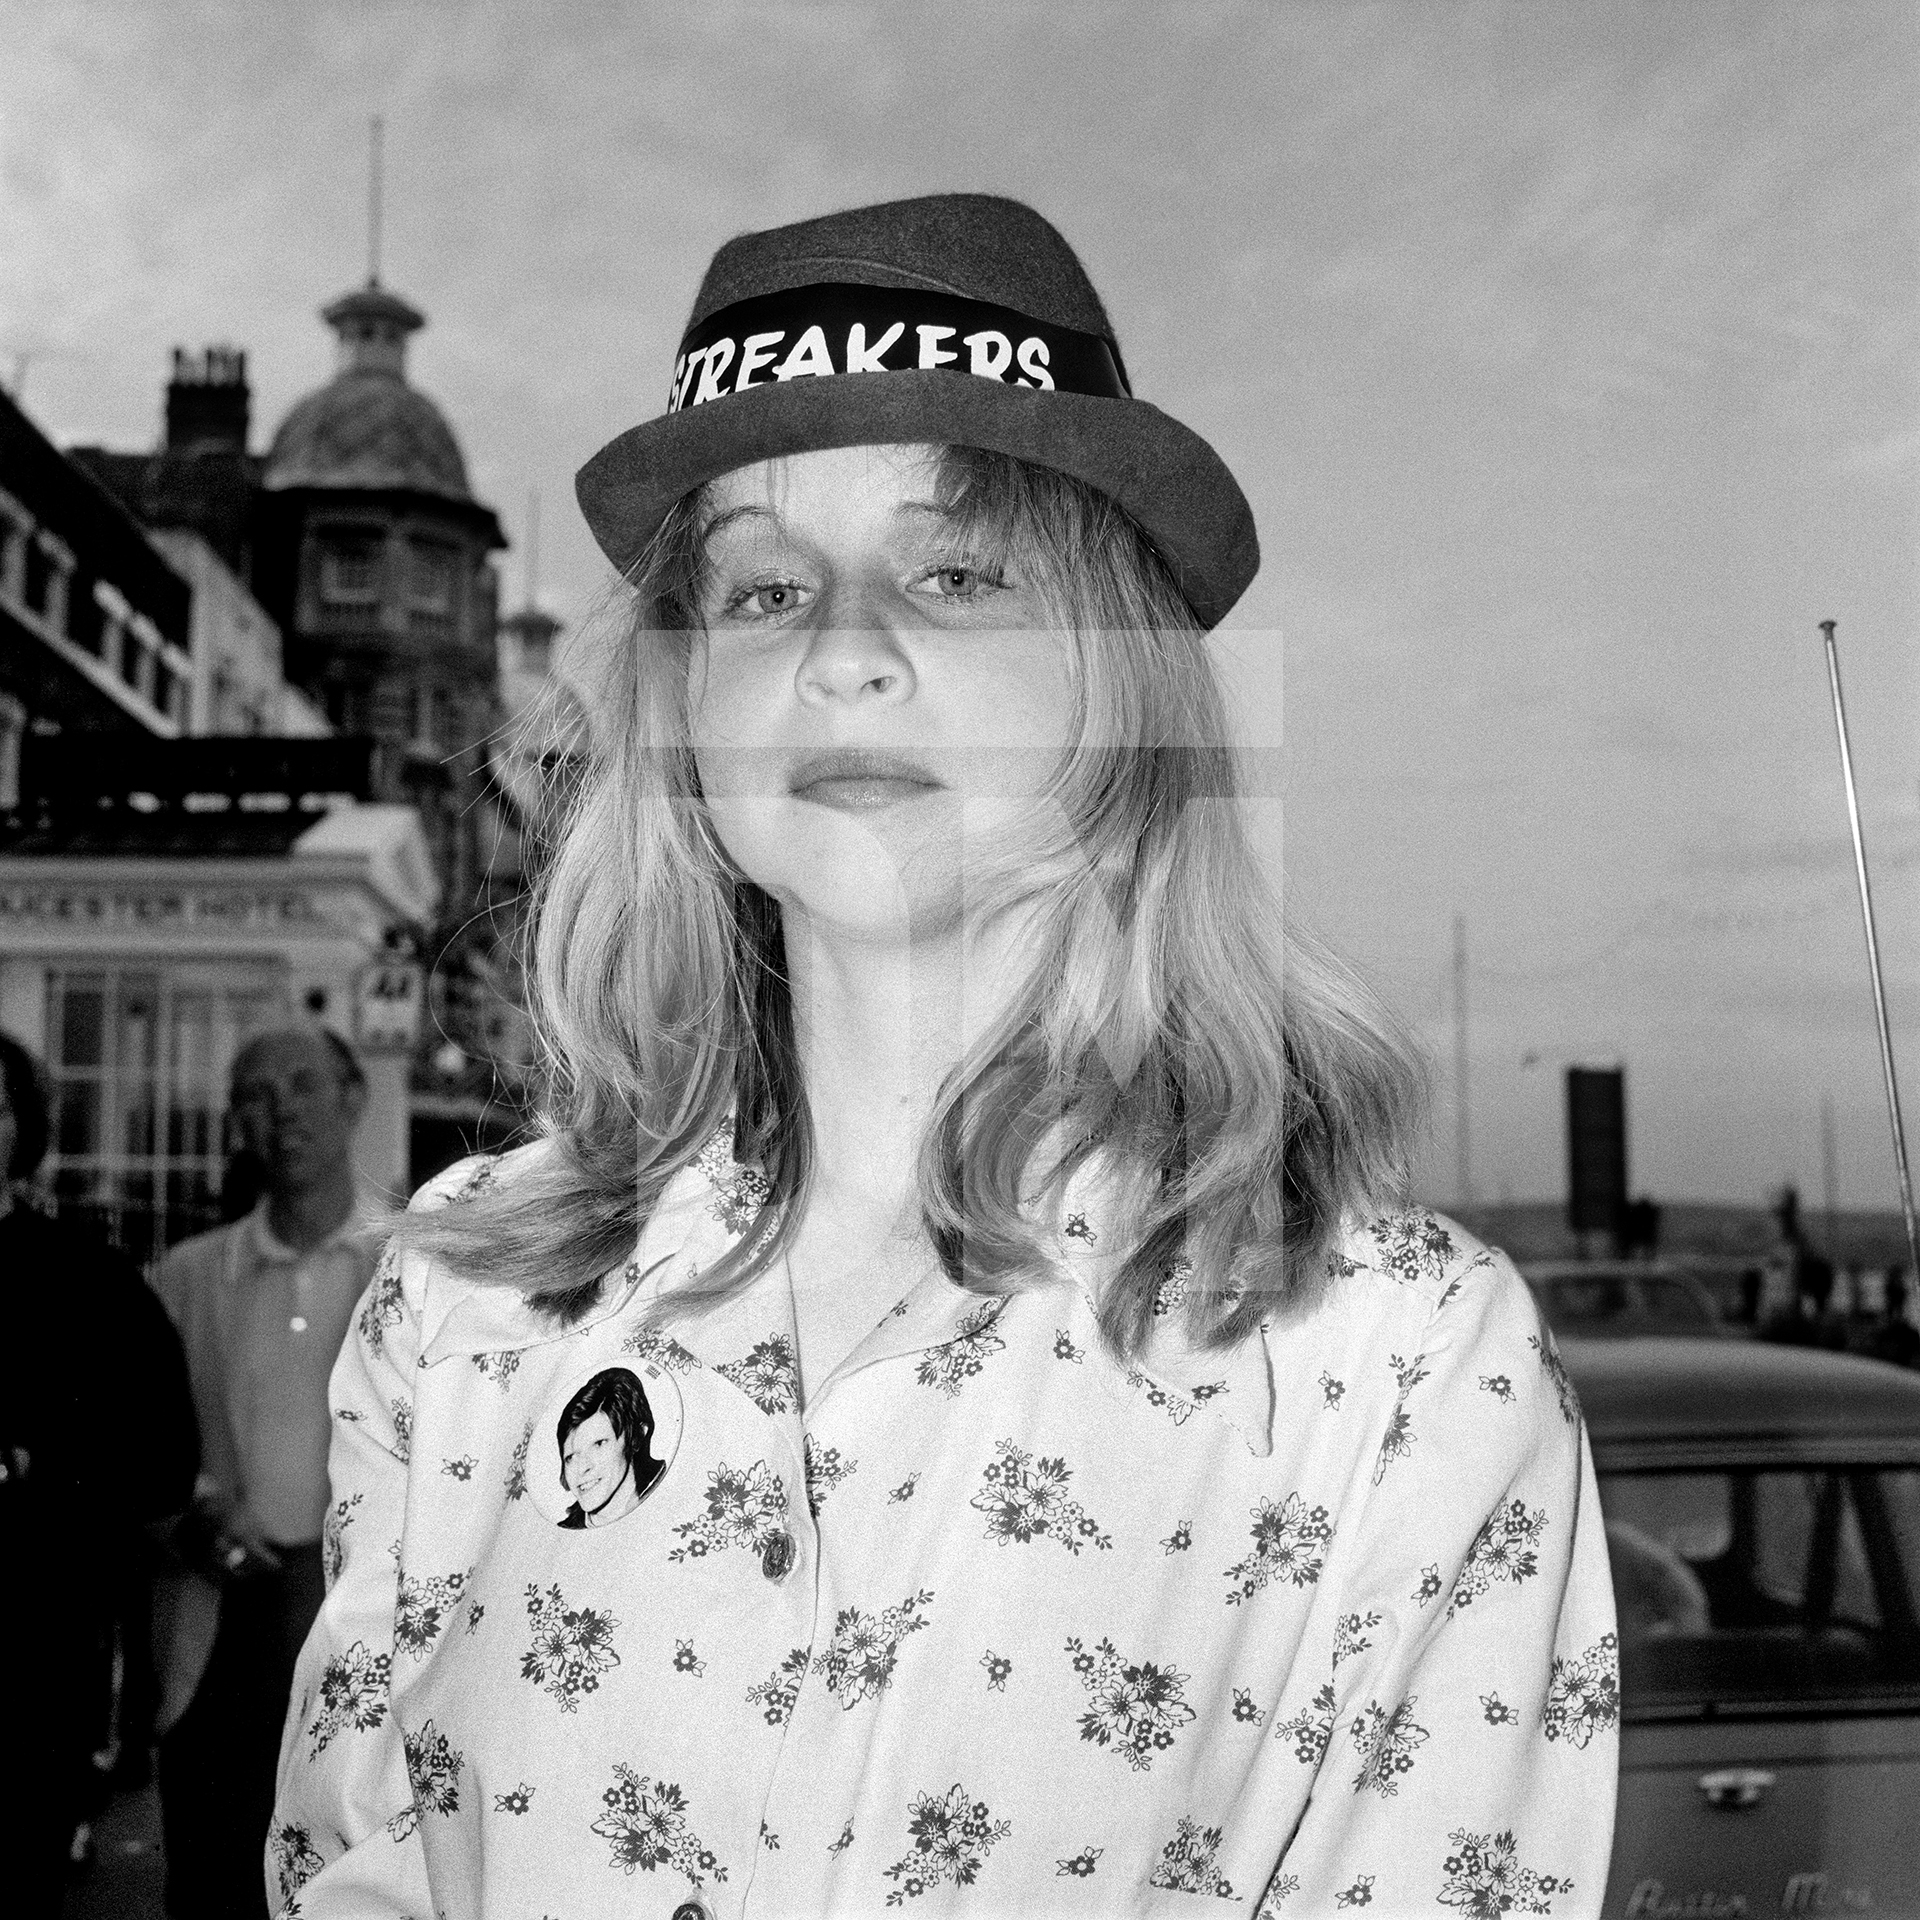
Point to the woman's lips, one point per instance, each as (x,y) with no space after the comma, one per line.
(863,796)
(851,780)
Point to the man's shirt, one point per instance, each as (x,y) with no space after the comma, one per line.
(263,1325)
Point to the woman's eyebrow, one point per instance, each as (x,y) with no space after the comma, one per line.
(728,515)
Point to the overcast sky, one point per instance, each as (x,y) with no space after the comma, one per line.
(1568,353)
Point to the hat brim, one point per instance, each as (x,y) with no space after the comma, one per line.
(1163,474)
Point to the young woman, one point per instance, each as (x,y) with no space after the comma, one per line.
(1083,1491)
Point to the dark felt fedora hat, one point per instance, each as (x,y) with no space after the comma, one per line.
(958,319)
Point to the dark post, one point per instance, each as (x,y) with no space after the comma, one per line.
(1597,1150)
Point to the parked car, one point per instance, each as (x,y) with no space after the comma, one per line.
(1762,1509)
(1622,1299)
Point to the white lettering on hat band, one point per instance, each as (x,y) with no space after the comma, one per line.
(811,355)
(864,359)
(990,354)
(718,358)
(824,330)
(932,353)
(757,353)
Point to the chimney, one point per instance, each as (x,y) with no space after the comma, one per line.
(208,401)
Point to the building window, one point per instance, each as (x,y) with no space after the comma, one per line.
(85,619)
(49,568)
(35,567)
(170,692)
(350,573)
(33,593)
(141,666)
(13,727)
(16,524)
(430,580)
(139,1063)
(114,615)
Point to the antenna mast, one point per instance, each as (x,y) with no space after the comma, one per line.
(373,205)
(533,549)
(1462,1137)
(1873,947)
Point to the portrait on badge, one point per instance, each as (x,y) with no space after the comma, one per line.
(609,1446)
(968,1270)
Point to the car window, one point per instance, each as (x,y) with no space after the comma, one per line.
(1806,1529)
(1688,1514)
(1578,1301)
(1751,1589)
(1610,1300)
(1669,1299)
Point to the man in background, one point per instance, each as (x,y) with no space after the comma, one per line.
(263,1306)
(96,1444)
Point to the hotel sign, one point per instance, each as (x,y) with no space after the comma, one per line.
(151,909)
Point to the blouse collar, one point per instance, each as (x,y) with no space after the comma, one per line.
(704,1214)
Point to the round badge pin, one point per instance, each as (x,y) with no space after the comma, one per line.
(602,1442)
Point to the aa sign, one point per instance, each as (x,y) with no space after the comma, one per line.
(386,1005)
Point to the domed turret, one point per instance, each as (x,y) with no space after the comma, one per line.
(367,430)
(375,557)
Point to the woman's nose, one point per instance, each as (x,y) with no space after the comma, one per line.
(854,654)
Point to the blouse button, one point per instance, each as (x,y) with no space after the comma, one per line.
(776,1557)
(691,1910)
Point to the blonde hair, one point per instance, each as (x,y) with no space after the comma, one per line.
(1249,1106)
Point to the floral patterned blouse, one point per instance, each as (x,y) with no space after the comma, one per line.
(997,1626)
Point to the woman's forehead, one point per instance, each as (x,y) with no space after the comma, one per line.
(828,484)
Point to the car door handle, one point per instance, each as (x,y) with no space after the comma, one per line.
(1732,1788)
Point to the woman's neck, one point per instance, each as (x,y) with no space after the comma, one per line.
(879,1027)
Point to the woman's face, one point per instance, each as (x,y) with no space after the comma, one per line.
(872,703)
(595,1458)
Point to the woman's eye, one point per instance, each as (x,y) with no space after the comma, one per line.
(962,582)
(769,600)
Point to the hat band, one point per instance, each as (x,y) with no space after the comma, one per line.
(832,329)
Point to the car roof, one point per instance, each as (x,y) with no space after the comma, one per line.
(1548,1271)
(1670,1401)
